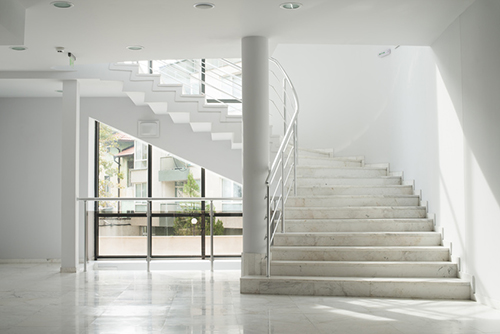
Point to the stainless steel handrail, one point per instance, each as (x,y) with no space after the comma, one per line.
(281,163)
(149,201)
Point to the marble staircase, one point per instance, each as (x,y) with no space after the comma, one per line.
(357,230)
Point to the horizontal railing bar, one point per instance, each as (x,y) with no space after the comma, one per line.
(290,170)
(273,175)
(224,101)
(276,226)
(277,188)
(230,63)
(168,214)
(179,199)
(287,135)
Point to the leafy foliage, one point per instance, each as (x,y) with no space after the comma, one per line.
(183,225)
(108,169)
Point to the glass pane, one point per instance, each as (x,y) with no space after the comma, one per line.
(228,236)
(116,150)
(217,186)
(122,236)
(176,236)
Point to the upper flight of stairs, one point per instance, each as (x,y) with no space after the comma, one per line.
(357,230)
(146,89)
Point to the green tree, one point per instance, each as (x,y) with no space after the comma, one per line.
(108,169)
(183,225)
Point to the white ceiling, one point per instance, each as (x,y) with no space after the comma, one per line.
(98,31)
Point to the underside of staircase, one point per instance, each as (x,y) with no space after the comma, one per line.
(356,230)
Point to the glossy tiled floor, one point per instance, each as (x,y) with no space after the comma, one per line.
(38,299)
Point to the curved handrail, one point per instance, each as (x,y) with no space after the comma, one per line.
(283,166)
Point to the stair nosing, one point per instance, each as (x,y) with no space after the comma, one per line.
(453,280)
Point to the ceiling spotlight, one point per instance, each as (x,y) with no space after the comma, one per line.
(290,5)
(135,47)
(62,4)
(204,5)
(18,48)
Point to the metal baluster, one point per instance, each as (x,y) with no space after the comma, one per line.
(212,236)
(284,106)
(268,244)
(283,191)
(295,156)
(86,236)
(149,235)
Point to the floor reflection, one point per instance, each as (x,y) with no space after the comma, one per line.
(38,299)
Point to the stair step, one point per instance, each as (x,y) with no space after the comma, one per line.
(358,239)
(305,152)
(355,190)
(359,225)
(331,162)
(336,181)
(364,269)
(422,288)
(332,172)
(354,212)
(305,253)
(353,200)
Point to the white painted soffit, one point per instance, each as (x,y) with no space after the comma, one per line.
(12,23)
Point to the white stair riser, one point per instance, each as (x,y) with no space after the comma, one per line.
(356,212)
(361,239)
(360,254)
(352,200)
(340,172)
(164,99)
(360,225)
(308,161)
(365,269)
(325,181)
(355,190)
(312,153)
(394,288)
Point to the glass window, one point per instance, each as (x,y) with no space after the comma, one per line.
(141,190)
(140,155)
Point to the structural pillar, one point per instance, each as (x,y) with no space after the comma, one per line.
(255,76)
(70,133)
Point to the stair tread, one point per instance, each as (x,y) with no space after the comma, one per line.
(341,167)
(397,186)
(353,196)
(364,263)
(406,207)
(354,248)
(351,177)
(319,220)
(451,280)
(413,233)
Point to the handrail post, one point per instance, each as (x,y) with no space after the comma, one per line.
(149,234)
(212,236)
(295,157)
(284,106)
(283,191)
(268,241)
(86,236)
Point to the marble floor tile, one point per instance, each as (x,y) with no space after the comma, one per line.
(36,298)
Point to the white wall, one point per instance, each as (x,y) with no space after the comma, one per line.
(480,53)
(30,179)
(30,141)
(432,112)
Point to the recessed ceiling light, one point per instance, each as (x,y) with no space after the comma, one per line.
(135,47)
(204,5)
(290,5)
(18,48)
(62,4)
